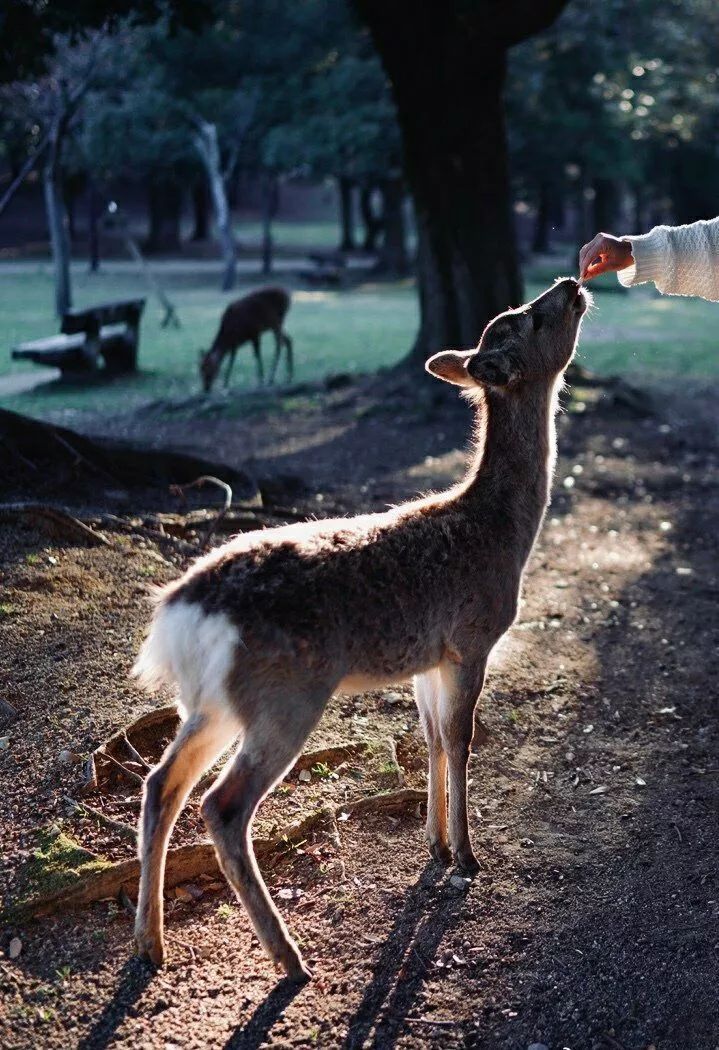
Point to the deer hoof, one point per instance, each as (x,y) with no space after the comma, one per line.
(150,947)
(466,861)
(441,852)
(296,969)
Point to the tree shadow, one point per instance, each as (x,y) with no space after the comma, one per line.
(133,979)
(624,952)
(429,911)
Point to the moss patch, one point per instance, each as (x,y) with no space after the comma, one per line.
(56,861)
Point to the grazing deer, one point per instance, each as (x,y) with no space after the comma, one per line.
(260,633)
(244,321)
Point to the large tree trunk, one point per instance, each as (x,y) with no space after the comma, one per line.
(57,220)
(346,187)
(165,203)
(207,145)
(201,211)
(93,221)
(372,222)
(446,60)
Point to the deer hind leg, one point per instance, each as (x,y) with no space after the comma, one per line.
(278,351)
(256,349)
(461,686)
(268,749)
(427,691)
(290,356)
(200,740)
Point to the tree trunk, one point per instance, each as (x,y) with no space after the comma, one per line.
(393,254)
(93,216)
(57,216)
(346,187)
(372,223)
(208,147)
(446,60)
(165,203)
(201,212)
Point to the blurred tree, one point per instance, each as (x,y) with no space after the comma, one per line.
(617,96)
(31,30)
(447,62)
(342,124)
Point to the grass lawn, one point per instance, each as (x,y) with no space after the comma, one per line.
(637,333)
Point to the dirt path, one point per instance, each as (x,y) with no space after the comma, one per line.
(594,921)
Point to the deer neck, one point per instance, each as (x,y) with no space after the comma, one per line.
(514,458)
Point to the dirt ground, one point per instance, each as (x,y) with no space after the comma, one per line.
(593,923)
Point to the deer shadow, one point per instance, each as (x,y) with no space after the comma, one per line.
(254,1032)
(429,911)
(133,980)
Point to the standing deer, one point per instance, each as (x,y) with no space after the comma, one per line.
(244,321)
(260,633)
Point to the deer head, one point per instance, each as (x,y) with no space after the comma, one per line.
(209,364)
(533,343)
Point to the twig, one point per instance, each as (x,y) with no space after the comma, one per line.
(79,458)
(135,753)
(128,772)
(53,519)
(207,479)
(428,1020)
(90,775)
(126,903)
(114,825)
(392,745)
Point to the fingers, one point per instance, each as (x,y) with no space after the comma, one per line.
(588,253)
(604,253)
(593,257)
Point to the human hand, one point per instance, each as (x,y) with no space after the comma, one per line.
(604,254)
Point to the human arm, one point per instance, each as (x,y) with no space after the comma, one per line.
(680,260)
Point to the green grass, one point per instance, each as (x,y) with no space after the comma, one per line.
(314,236)
(333,331)
(635,333)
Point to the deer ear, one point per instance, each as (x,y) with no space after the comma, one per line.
(494,368)
(451,366)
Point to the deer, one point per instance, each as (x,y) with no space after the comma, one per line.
(259,633)
(244,321)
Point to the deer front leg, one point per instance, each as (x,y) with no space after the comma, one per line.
(461,686)
(230,365)
(427,690)
(258,361)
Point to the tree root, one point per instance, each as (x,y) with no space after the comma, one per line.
(54,521)
(185,863)
(96,814)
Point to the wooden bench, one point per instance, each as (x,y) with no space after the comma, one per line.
(108,332)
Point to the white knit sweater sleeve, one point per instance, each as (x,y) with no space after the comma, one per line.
(681,260)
